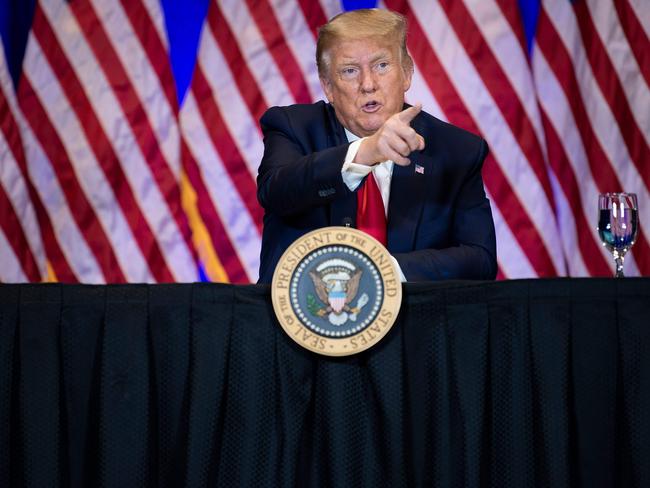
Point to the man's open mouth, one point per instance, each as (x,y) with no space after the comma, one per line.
(371,106)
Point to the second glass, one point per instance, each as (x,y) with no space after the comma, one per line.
(618,225)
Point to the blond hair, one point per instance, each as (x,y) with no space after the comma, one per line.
(367,23)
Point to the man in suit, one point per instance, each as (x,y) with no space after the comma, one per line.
(330,163)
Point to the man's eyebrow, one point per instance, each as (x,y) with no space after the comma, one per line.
(351,60)
(381,54)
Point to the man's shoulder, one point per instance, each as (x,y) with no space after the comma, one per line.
(459,147)
(433,127)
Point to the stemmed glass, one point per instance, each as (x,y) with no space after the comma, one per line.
(617,225)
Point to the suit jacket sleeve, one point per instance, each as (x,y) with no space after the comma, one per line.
(471,250)
(293,177)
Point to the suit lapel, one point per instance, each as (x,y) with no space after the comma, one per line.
(343,210)
(407,196)
(406,201)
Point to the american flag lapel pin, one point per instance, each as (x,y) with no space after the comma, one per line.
(419,169)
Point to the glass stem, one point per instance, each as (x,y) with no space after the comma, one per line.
(619,266)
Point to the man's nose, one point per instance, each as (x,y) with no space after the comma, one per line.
(367,83)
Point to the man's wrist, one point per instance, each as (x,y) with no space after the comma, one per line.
(402,278)
(362,158)
(350,165)
(351,172)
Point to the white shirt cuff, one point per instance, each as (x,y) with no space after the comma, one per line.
(353,173)
(401,273)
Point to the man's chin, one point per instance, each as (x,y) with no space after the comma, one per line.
(368,128)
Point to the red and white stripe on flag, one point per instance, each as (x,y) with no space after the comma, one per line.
(105,179)
(22,257)
(573,125)
(252,55)
(592,69)
(102,144)
(473,64)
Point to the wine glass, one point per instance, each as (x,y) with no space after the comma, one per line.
(617,225)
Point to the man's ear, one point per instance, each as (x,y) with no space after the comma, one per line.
(408,76)
(326,85)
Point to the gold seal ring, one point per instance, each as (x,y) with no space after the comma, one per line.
(336,291)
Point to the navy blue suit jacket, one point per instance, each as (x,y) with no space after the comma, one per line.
(439,219)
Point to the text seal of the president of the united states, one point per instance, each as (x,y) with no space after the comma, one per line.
(336,291)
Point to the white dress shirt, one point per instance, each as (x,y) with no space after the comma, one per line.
(354,173)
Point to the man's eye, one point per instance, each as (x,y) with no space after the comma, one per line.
(383,66)
(349,73)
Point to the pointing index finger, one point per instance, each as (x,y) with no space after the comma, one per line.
(409,114)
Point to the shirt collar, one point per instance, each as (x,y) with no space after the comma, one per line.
(351,137)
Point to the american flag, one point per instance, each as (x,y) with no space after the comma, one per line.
(109,172)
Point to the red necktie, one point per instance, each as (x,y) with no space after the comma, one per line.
(371,216)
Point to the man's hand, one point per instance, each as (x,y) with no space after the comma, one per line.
(394,140)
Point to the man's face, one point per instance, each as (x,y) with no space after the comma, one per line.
(366,83)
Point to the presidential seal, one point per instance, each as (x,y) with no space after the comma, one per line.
(336,291)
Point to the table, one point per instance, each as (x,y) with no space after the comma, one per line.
(506,384)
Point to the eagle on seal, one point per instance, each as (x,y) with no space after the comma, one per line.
(336,294)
